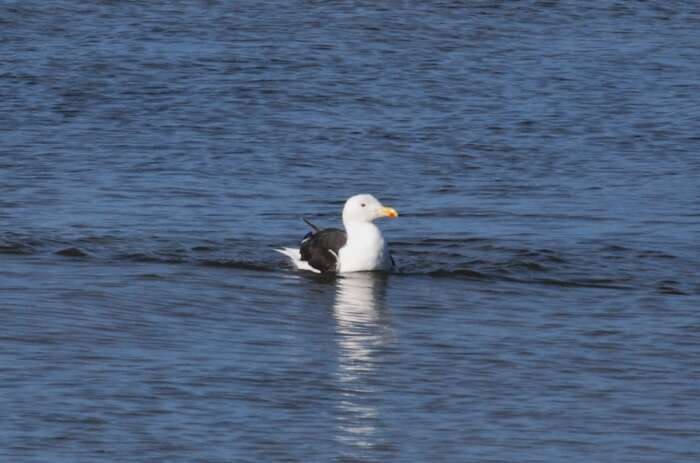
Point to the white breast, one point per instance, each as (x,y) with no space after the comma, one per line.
(365,249)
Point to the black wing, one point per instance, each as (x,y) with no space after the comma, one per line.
(320,248)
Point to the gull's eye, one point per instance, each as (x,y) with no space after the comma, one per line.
(363,204)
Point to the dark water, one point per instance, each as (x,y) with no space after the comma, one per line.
(544,157)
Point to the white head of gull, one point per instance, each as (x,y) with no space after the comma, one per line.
(360,247)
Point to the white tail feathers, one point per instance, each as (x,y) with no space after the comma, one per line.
(295,256)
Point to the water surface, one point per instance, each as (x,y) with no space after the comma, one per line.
(543,157)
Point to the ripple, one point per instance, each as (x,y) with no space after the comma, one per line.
(243,265)
(16,248)
(72,252)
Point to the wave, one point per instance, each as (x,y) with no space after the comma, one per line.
(608,266)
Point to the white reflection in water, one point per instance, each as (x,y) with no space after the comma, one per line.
(363,333)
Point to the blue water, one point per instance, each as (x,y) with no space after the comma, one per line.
(543,157)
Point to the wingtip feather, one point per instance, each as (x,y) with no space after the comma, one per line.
(313,227)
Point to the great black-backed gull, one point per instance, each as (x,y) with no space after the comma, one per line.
(360,247)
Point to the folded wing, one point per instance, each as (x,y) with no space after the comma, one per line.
(320,248)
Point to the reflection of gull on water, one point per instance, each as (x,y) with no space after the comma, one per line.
(362,331)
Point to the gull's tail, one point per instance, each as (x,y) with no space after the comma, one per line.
(295,256)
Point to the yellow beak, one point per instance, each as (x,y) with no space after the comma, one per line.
(389,212)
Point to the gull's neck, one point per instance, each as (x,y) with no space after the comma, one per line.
(357,229)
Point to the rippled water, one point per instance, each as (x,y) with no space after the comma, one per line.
(543,157)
